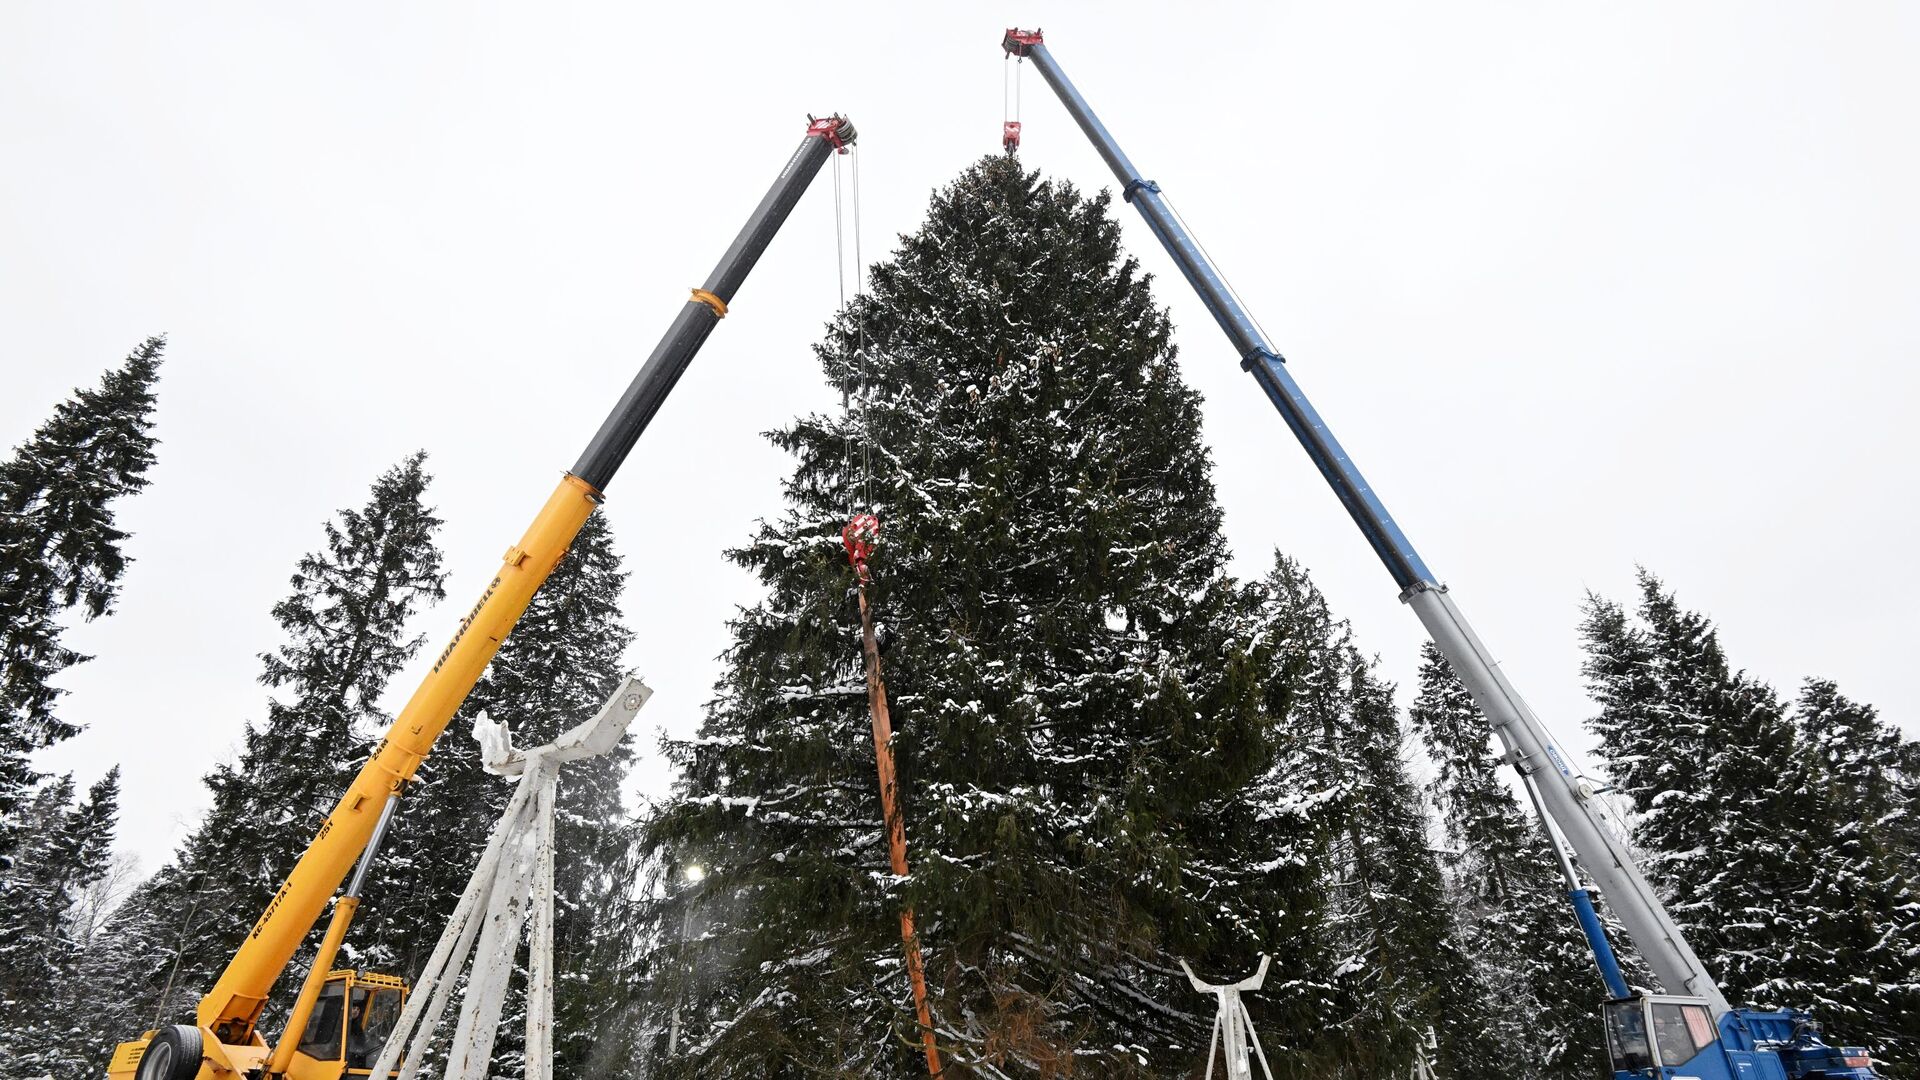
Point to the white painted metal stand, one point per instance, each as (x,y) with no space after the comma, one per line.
(512,884)
(1232,1027)
(1423,1069)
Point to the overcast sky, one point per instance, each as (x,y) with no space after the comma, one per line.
(1579,287)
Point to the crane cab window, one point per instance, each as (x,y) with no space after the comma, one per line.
(322,1038)
(370,1019)
(1627,1035)
(1681,1031)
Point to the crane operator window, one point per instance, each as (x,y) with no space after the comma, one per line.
(321,1040)
(1627,1036)
(1681,1031)
(369,1022)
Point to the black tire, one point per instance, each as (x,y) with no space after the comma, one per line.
(172,1054)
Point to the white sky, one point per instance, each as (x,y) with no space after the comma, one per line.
(1579,287)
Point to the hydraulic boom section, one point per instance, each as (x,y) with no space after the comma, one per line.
(1562,797)
(224,1040)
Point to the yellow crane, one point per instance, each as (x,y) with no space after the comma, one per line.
(341,1017)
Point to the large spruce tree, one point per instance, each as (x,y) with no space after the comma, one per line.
(1748,830)
(345,622)
(1517,923)
(1080,726)
(60,550)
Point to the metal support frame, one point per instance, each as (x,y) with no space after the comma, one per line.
(511,886)
(1233,1035)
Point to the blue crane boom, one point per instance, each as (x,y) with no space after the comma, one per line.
(1690,1028)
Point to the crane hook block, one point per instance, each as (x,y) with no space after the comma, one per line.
(859,538)
(1010,135)
(836,129)
(1018,42)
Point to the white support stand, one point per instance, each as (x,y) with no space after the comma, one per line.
(1232,1027)
(512,883)
(1422,1067)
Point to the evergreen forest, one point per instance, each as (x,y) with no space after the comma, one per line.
(1120,749)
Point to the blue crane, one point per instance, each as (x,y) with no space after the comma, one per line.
(1689,1032)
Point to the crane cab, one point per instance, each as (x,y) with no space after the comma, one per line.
(351,1020)
(1652,1037)
(1670,1037)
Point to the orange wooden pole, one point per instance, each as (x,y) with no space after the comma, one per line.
(857,551)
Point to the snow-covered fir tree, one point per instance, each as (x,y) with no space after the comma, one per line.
(555,671)
(1704,753)
(1080,725)
(65,848)
(1857,926)
(1675,725)
(1516,922)
(1746,832)
(1401,980)
(345,622)
(1866,765)
(60,550)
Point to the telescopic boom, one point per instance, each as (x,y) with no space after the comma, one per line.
(1566,798)
(231,1010)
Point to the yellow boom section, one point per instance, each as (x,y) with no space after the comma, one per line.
(231,1010)
(233,1006)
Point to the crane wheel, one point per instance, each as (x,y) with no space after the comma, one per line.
(172,1054)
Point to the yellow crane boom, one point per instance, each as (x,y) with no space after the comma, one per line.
(225,1042)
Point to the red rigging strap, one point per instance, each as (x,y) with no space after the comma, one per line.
(859,538)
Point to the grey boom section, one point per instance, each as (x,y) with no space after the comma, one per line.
(1568,801)
(696,320)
